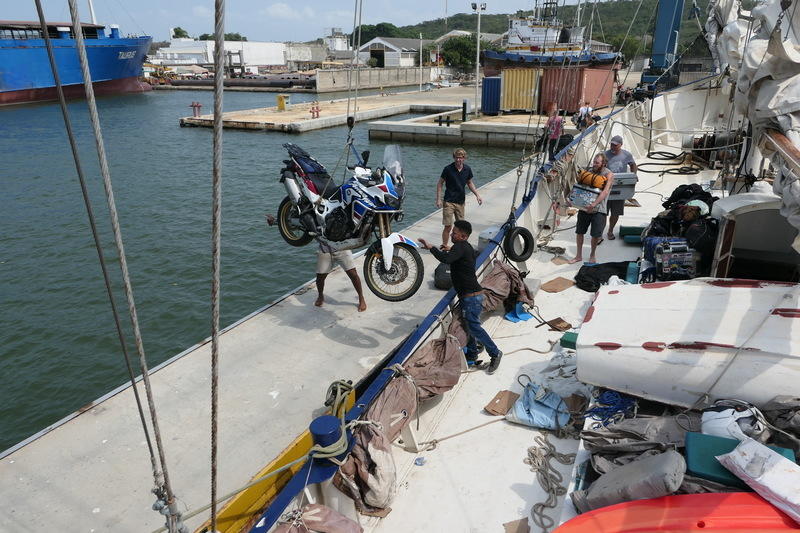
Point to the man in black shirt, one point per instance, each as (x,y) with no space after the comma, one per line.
(456,177)
(461,259)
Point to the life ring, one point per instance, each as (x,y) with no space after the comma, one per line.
(511,244)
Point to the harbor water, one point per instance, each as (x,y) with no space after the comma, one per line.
(58,344)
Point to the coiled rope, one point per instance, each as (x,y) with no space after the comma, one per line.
(611,406)
(552,482)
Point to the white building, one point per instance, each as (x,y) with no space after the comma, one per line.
(392,51)
(337,41)
(191,52)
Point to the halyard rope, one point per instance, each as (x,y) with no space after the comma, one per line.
(97,244)
(216,223)
(165,489)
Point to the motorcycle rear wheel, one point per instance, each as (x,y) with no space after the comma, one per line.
(402,280)
(289,225)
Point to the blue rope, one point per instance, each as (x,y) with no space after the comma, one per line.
(609,405)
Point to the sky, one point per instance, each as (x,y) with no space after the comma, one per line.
(258,20)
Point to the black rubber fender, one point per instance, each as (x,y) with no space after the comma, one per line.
(511,239)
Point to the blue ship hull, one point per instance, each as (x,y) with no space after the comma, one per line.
(587,58)
(25,75)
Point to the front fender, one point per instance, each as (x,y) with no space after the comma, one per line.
(387,247)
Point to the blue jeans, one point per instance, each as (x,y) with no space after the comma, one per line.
(471,307)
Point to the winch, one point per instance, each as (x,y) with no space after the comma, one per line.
(713,147)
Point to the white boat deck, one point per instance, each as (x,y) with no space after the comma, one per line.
(92,472)
(478,480)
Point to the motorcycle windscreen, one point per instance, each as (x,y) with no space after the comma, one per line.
(393,163)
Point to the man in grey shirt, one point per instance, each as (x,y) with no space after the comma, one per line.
(619,161)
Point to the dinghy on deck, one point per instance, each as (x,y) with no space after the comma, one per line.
(677,341)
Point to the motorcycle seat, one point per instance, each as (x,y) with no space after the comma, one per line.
(325,185)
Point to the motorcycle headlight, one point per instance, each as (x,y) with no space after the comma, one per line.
(392,202)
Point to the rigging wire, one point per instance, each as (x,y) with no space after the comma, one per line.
(638,49)
(164,492)
(216,223)
(135,23)
(611,70)
(97,244)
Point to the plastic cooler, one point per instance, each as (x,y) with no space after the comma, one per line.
(624,186)
(581,195)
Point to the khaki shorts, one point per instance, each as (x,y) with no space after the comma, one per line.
(452,212)
(325,261)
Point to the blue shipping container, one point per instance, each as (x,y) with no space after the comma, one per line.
(490,97)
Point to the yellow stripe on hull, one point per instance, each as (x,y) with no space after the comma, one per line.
(240,513)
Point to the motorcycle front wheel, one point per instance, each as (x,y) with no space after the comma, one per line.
(290,226)
(399,282)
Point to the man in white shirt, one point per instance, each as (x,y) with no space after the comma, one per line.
(584,114)
(619,161)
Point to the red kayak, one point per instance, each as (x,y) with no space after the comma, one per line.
(732,512)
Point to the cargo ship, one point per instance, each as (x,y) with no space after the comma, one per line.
(25,75)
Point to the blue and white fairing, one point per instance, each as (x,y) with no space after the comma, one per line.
(387,247)
(396,185)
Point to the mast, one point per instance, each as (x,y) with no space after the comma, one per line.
(91,12)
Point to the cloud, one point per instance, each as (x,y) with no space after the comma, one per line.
(283,11)
(202,12)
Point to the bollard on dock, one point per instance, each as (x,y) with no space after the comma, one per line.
(196,109)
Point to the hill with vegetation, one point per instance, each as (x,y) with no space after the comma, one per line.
(608,21)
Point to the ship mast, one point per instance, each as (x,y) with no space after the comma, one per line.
(91,12)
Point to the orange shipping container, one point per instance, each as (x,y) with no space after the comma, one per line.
(572,86)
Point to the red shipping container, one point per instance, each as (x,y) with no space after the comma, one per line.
(570,87)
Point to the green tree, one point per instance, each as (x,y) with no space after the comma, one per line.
(179,33)
(227,37)
(155,45)
(459,52)
(631,48)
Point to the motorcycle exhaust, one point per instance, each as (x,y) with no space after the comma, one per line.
(292,189)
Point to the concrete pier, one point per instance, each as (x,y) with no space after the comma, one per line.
(502,130)
(298,117)
(442,123)
(91,471)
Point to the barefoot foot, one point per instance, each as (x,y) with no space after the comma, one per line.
(320,301)
(592,259)
(575,260)
(362,305)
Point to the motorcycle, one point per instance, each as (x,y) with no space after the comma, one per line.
(345,217)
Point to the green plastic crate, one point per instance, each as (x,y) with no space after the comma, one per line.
(632,275)
(569,340)
(631,230)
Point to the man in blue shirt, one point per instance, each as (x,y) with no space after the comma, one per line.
(456,177)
